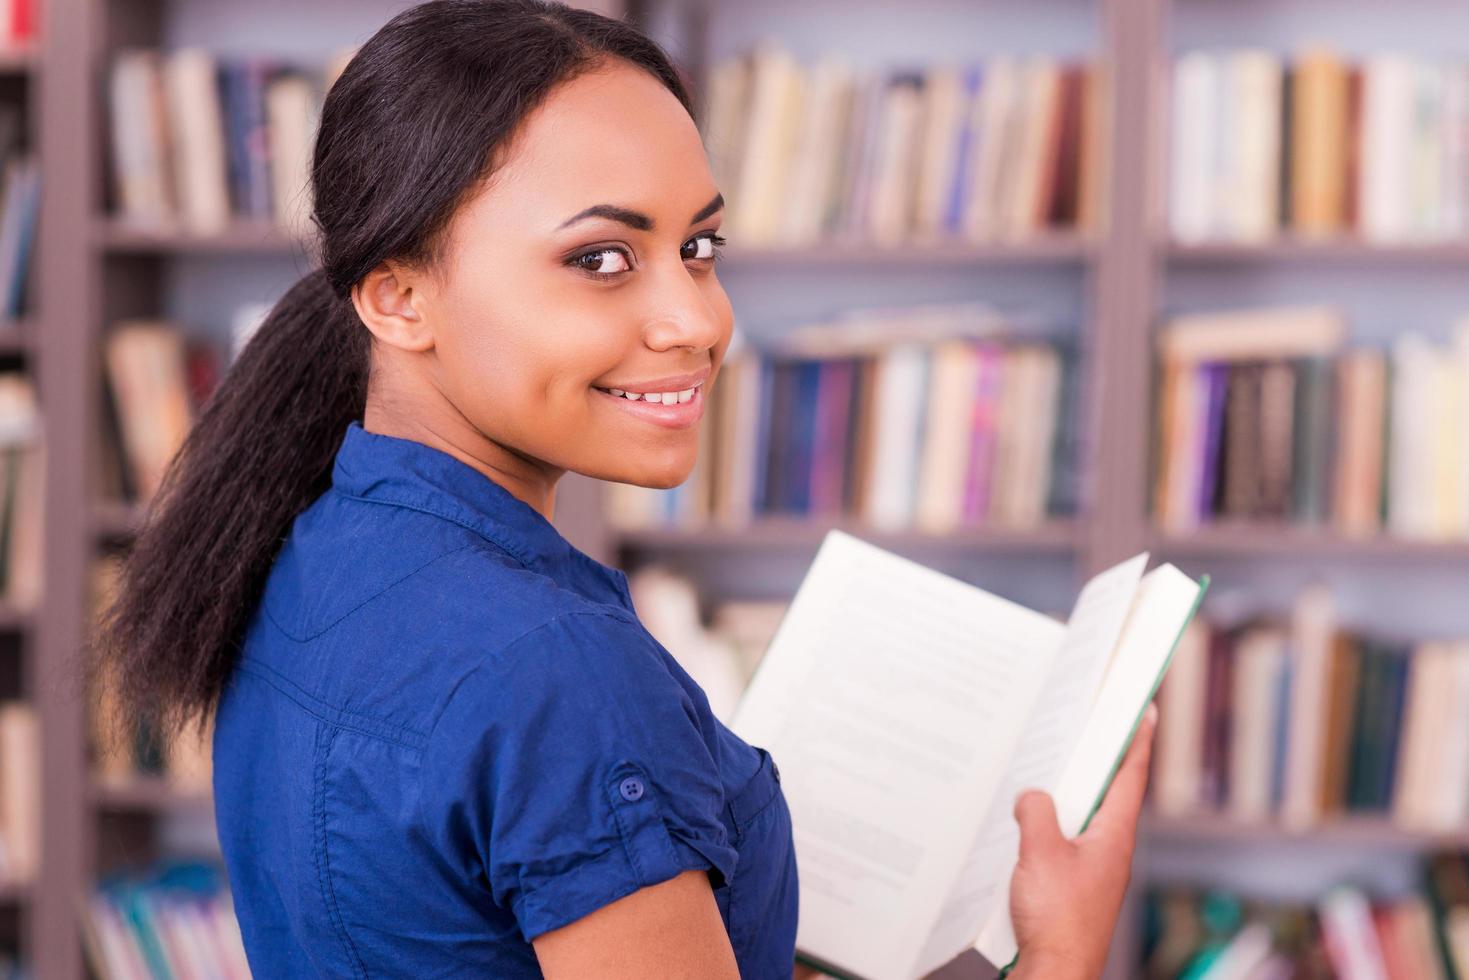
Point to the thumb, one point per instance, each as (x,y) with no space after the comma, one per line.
(1040,832)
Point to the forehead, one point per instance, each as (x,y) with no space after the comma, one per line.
(616,135)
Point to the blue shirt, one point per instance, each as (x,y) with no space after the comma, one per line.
(448,733)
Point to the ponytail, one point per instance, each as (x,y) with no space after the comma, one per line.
(259,453)
(408,132)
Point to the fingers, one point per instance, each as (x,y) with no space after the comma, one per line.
(1124,800)
(1035,811)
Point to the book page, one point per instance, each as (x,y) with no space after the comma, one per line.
(891,697)
(1050,736)
(1166,600)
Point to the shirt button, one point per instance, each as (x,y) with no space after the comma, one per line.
(631,789)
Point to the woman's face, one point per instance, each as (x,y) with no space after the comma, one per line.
(584,268)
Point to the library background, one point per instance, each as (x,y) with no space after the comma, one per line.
(1023,287)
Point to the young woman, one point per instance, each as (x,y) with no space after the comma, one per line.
(444,745)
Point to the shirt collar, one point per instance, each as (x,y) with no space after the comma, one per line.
(375,466)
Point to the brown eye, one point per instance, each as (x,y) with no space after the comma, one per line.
(705,247)
(597,264)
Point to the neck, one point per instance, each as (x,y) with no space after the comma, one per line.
(434,422)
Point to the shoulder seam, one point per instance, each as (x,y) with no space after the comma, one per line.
(307,637)
(332,716)
(467,525)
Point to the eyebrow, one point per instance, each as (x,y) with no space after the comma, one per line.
(636,219)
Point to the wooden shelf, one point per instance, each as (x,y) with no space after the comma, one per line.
(15,618)
(801,534)
(146,793)
(1256,539)
(1342,831)
(240,237)
(1341,251)
(18,61)
(16,337)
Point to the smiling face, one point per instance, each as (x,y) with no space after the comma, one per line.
(583,271)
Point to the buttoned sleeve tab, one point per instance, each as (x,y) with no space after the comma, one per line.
(573,768)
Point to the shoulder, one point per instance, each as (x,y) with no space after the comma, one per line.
(574,765)
(347,559)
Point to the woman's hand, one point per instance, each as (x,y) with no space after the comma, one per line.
(1065,894)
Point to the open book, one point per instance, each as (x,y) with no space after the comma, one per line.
(907,709)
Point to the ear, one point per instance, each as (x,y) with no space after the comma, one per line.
(389,301)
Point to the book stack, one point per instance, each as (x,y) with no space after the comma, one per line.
(1301,721)
(931,419)
(121,758)
(1265,415)
(157,379)
(173,922)
(1005,150)
(1318,146)
(1208,934)
(22,491)
(198,142)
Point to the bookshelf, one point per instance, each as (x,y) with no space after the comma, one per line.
(90,270)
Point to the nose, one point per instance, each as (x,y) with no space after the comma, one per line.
(685,318)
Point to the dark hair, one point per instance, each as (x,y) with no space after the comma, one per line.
(408,132)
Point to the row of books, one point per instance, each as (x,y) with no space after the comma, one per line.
(172,922)
(22,491)
(1299,719)
(124,758)
(967,426)
(1318,145)
(157,378)
(1266,414)
(1007,149)
(198,141)
(1209,934)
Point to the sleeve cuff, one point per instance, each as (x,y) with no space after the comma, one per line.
(649,853)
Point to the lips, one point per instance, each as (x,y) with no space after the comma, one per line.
(674,415)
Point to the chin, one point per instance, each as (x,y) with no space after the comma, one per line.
(657,477)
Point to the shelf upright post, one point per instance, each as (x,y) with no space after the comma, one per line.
(1124,280)
(1125,276)
(68,303)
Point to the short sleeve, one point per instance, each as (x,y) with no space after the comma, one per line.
(573,768)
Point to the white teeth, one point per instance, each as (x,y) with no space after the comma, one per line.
(658,397)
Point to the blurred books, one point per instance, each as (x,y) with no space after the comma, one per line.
(1004,150)
(1318,146)
(912,419)
(175,920)
(157,380)
(22,491)
(1303,721)
(198,141)
(1265,415)
(1211,934)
